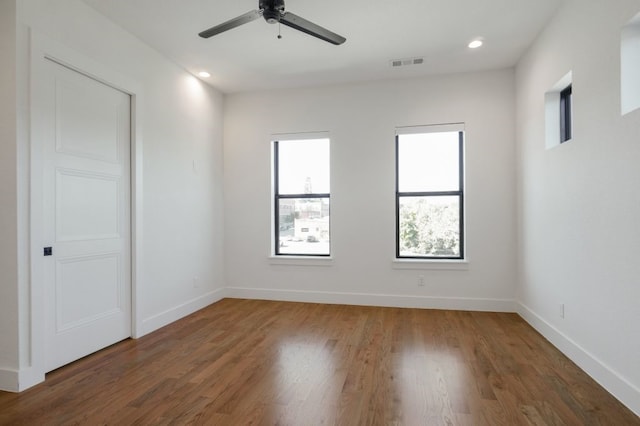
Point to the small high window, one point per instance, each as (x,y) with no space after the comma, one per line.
(301,196)
(565,114)
(558,104)
(630,66)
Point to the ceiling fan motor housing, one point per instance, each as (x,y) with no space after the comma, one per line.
(272,10)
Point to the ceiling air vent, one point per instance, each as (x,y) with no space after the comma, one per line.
(406,62)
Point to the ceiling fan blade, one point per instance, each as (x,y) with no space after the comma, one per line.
(301,24)
(231,23)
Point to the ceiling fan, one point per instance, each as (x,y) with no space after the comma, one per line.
(273,12)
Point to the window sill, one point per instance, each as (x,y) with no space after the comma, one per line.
(433,264)
(300,260)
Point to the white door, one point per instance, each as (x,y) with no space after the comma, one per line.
(87,215)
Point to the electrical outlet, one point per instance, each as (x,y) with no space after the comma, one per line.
(420,280)
(196,282)
(562,310)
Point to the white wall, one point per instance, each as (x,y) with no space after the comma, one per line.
(8,192)
(361,119)
(579,203)
(179,124)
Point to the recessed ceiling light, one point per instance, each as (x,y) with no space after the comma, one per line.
(204,74)
(475,44)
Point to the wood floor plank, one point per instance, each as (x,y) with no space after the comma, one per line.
(241,362)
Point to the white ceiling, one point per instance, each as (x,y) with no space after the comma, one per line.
(251,57)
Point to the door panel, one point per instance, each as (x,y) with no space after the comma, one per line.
(96,196)
(87,215)
(92,279)
(87,125)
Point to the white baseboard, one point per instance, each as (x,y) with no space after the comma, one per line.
(18,381)
(9,380)
(170,315)
(385,300)
(608,378)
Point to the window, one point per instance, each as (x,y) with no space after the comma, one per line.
(565,114)
(301,196)
(558,114)
(630,66)
(430,192)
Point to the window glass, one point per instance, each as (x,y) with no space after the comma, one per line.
(430,226)
(304,226)
(428,162)
(565,114)
(303,166)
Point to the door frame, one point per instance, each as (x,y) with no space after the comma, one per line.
(42,50)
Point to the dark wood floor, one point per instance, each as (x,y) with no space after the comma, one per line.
(253,362)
